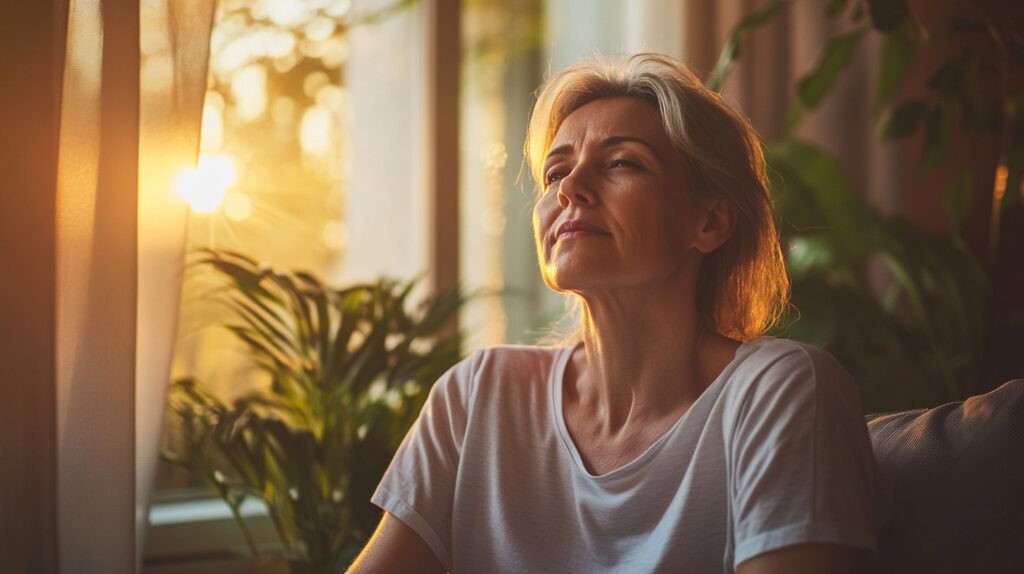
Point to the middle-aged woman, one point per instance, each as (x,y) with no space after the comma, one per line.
(669,435)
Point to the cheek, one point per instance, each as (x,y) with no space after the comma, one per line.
(544,215)
(537,233)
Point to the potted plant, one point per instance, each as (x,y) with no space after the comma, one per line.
(914,314)
(349,370)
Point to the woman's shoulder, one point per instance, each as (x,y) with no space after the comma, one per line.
(775,366)
(502,365)
(515,359)
(777,353)
(521,353)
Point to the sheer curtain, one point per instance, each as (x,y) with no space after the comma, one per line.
(92,255)
(175,46)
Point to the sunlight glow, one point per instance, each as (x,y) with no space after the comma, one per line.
(278,43)
(335,235)
(282,111)
(237,206)
(204,186)
(284,12)
(320,28)
(249,87)
(315,135)
(1000,183)
(339,8)
(212,136)
(314,82)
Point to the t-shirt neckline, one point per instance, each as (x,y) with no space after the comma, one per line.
(556,380)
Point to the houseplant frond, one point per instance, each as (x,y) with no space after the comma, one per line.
(348,369)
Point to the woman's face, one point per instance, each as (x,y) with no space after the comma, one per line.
(617,211)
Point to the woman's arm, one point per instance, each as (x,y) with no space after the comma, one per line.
(396,548)
(806,559)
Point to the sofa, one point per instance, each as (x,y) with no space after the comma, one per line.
(954,485)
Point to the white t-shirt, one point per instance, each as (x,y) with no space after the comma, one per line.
(775,452)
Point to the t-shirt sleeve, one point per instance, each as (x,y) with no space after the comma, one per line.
(419,485)
(801,467)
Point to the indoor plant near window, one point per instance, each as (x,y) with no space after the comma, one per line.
(348,372)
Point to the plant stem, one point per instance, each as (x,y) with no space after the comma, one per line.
(245,532)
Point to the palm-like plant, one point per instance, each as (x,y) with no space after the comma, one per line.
(349,370)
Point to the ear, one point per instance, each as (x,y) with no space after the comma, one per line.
(717,225)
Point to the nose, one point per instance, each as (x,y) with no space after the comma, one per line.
(576,189)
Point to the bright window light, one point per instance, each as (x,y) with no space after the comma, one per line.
(205,185)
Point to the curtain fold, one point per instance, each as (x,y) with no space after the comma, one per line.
(175,56)
(95,288)
(131,104)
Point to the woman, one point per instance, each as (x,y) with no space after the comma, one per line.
(668,437)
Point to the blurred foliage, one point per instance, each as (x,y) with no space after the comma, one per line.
(494,30)
(277,103)
(901,307)
(291,42)
(349,370)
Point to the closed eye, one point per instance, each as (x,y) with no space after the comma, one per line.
(622,163)
(552,177)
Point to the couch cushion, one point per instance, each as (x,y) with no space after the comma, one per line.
(956,475)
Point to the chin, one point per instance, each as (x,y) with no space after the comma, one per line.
(552,282)
(577,282)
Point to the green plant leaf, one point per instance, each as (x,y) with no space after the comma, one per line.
(903,120)
(794,115)
(896,61)
(246,278)
(811,168)
(298,308)
(352,314)
(439,310)
(949,78)
(264,352)
(297,444)
(887,15)
(816,84)
(835,7)
(731,51)
(809,253)
(270,326)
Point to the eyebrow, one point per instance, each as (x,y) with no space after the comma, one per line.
(565,148)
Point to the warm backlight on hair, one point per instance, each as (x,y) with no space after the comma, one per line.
(205,185)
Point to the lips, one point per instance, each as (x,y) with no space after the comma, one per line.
(577,228)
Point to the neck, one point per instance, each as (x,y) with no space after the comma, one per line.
(642,361)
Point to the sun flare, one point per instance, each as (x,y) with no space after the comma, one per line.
(205,185)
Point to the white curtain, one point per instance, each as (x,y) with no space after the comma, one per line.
(92,256)
(175,54)
(96,289)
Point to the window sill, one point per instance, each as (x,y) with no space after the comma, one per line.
(190,534)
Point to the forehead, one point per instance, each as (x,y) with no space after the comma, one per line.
(612,117)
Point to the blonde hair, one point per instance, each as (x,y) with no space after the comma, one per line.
(742,287)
